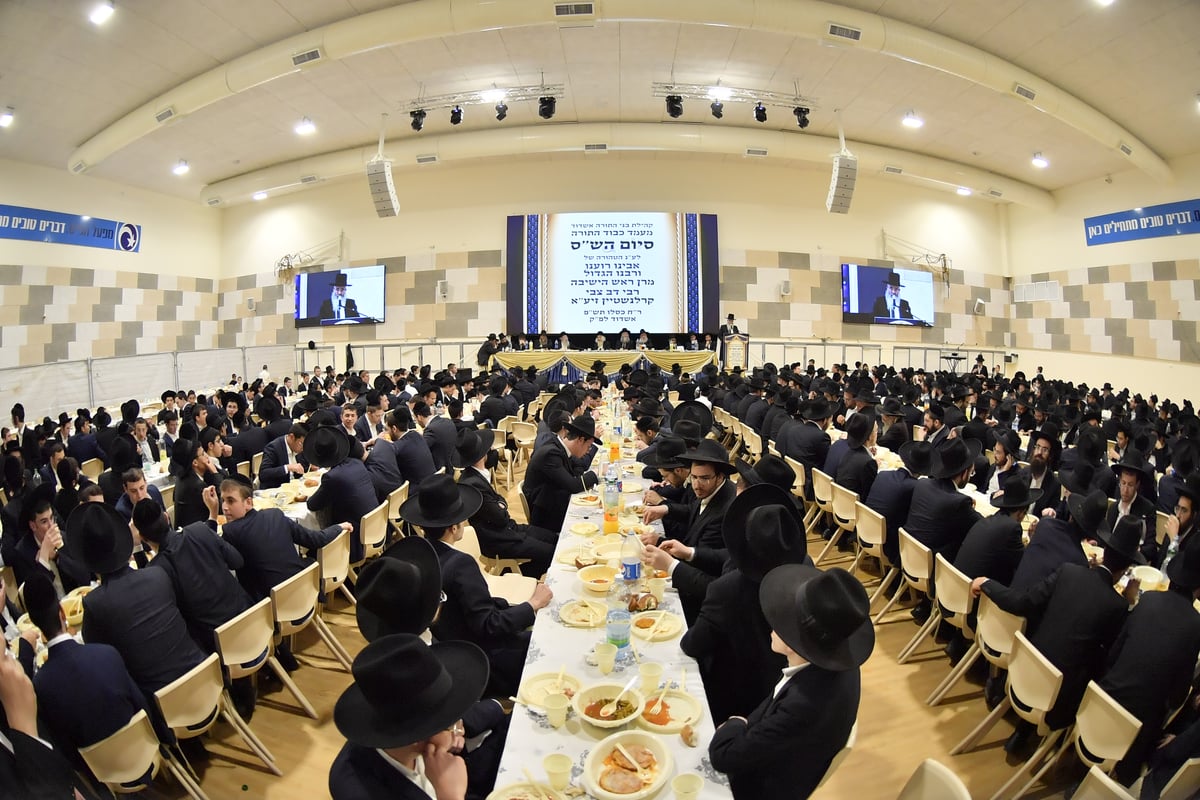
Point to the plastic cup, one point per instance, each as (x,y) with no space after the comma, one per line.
(556,709)
(651,674)
(687,786)
(558,769)
(606,657)
(658,587)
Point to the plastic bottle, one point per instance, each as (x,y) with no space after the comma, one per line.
(612,497)
(631,563)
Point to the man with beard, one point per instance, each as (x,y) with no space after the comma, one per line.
(1043,461)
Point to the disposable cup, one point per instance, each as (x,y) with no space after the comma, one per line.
(651,673)
(556,709)
(606,657)
(687,786)
(558,769)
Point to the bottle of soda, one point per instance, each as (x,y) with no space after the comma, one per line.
(631,564)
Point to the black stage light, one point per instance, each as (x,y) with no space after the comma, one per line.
(501,111)
(717,108)
(801,116)
(456,115)
(418,119)
(760,112)
(674,106)
(546,107)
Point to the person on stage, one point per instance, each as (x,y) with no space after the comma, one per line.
(338,306)
(891,305)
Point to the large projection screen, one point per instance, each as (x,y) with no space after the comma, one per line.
(587,272)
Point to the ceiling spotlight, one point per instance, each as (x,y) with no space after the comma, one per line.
(719,92)
(305,127)
(801,116)
(6,117)
(1105,3)
(1040,161)
(674,106)
(181,168)
(501,111)
(546,107)
(492,95)
(717,108)
(418,119)
(964,191)
(101,12)
(911,120)
(456,115)
(259,196)
(760,112)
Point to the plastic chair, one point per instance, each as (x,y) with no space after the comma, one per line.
(933,781)
(1098,786)
(334,559)
(294,606)
(469,544)
(843,505)
(396,499)
(246,644)
(871,528)
(168,495)
(916,570)
(1160,527)
(1185,783)
(92,468)
(243,468)
(127,761)
(994,632)
(256,464)
(956,605)
(822,497)
(753,441)
(1102,734)
(511,586)
(841,755)
(373,534)
(524,435)
(11,588)
(192,703)
(800,490)
(524,499)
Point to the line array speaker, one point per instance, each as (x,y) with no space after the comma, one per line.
(383,191)
(841,184)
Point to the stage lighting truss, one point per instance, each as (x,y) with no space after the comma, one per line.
(499,98)
(717,96)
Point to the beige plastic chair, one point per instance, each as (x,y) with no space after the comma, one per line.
(524,435)
(256,464)
(92,468)
(395,500)
(524,499)
(373,533)
(1160,527)
(127,761)
(192,703)
(168,495)
(955,606)
(933,781)
(994,632)
(822,497)
(334,559)
(799,489)
(246,644)
(844,514)
(841,755)
(1098,786)
(753,442)
(11,590)
(511,586)
(871,528)
(1185,783)
(916,570)
(1102,734)
(294,606)
(243,468)
(1033,684)
(469,544)
(917,561)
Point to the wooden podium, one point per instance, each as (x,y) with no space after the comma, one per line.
(735,351)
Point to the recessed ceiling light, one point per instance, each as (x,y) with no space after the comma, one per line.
(305,127)
(964,191)
(911,120)
(259,196)
(1040,161)
(101,12)
(181,168)
(1105,3)
(492,95)
(6,117)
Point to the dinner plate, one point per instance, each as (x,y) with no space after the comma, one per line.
(575,614)
(605,549)
(602,752)
(632,469)
(534,689)
(681,706)
(585,529)
(630,486)
(525,790)
(586,499)
(671,626)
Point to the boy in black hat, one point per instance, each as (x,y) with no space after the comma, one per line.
(552,476)
(1132,474)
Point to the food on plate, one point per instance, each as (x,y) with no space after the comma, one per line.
(585,560)
(582,613)
(300,498)
(660,573)
(656,713)
(312,482)
(621,776)
(643,756)
(589,498)
(620,781)
(643,602)
(624,709)
(688,735)
(645,623)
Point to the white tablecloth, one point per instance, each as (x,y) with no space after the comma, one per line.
(530,737)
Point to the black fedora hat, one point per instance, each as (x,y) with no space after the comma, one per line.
(1048,432)
(890,407)
(710,452)
(585,426)
(268,408)
(99,538)
(43,492)
(1088,510)
(823,615)
(472,445)
(638,377)
(339,279)
(1124,537)
(1079,479)
(1184,569)
(688,430)
(1016,492)
(647,407)
(1190,488)
(326,447)
(859,427)
(917,457)
(763,529)
(816,409)
(1132,460)
(693,411)
(440,502)
(954,458)
(668,453)
(400,591)
(405,691)
(769,469)
(893,279)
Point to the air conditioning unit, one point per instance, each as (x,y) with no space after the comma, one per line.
(307,57)
(383,191)
(575,15)
(841,184)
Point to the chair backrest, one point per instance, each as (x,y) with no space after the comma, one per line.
(168,495)
(844,502)
(871,528)
(511,586)
(953,589)
(396,499)
(125,756)
(245,641)
(933,781)
(334,559)
(1160,527)
(916,560)
(190,703)
(918,433)
(841,754)
(256,463)
(801,476)
(1185,783)
(1098,786)
(469,544)
(525,433)
(1033,682)
(92,468)
(294,601)
(10,587)
(372,531)
(822,488)
(524,499)
(243,468)
(505,424)
(1104,730)
(995,630)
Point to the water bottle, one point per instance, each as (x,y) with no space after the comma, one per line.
(631,563)
(441,409)
(612,497)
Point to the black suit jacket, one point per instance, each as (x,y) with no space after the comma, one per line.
(807,443)
(1051,494)
(83,447)
(891,496)
(940,516)
(496,529)
(135,611)
(857,471)
(414,459)
(785,746)
(346,494)
(492,409)
(25,565)
(267,542)
(1144,510)
(470,613)
(189,499)
(249,443)
(326,312)
(360,773)
(692,578)
(32,771)
(1054,542)
(441,435)
(882,309)
(272,472)
(550,480)
(992,549)
(895,436)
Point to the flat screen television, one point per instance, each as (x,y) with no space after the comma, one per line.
(886,296)
(349,296)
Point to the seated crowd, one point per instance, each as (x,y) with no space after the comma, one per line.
(779,642)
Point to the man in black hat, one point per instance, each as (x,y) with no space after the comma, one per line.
(551,477)
(858,469)
(1132,472)
(1044,451)
(993,547)
(499,403)
(936,432)
(1182,524)
(805,440)
(890,305)
(754,391)
(337,305)
(895,432)
(347,492)
(820,622)
(193,471)
(500,536)
(891,493)
(39,551)
(940,515)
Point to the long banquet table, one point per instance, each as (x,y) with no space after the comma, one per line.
(689,360)
(555,645)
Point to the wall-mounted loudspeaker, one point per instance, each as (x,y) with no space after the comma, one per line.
(785,289)
(980,307)
(841,184)
(443,290)
(383,191)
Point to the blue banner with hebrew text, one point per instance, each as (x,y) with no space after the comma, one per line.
(40,225)
(1169,219)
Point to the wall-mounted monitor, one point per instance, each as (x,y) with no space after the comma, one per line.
(886,296)
(350,296)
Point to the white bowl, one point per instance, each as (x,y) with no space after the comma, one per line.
(598,578)
(603,691)
(593,765)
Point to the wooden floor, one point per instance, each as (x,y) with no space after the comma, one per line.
(896,729)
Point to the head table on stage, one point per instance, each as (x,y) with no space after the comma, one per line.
(691,361)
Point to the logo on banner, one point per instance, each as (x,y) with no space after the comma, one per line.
(127,237)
